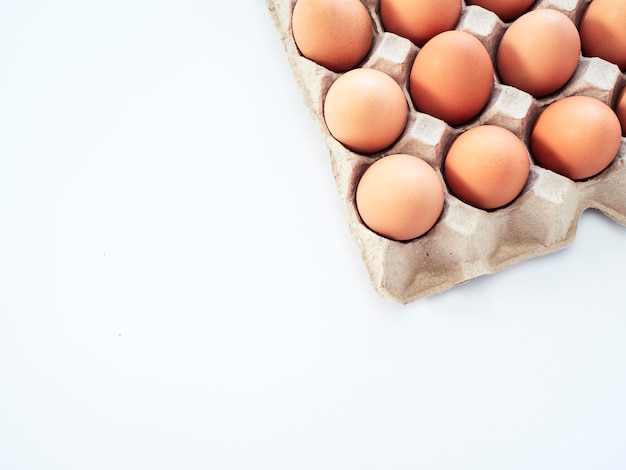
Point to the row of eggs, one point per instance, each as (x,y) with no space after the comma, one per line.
(338,34)
(400,196)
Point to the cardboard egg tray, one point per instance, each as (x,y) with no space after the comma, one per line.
(466,242)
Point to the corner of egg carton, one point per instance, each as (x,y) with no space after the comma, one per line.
(466,242)
(606,192)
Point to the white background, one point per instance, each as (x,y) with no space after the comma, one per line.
(179,290)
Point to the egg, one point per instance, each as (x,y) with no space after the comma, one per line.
(576,136)
(539,52)
(603,31)
(452,77)
(620,110)
(506,10)
(336,34)
(419,20)
(365,110)
(400,197)
(487,166)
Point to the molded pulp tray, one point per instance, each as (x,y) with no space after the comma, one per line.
(466,242)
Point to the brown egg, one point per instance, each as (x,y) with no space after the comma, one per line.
(400,197)
(603,31)
(506,10)
(336,34)
(487,167)
(577,137)
(365,110)
(620,110)
(452,77)
(539,52)
(419,20)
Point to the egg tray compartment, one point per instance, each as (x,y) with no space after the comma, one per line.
(466,242)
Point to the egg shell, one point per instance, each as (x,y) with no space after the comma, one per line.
(487,166)
(539,52)
(603,31)
(400,197)
(336,34)
(506,10)
(452,77)
(577,137)
(419,20)
(620,110)
(365,110)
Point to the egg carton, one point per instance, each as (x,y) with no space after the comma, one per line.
(466,242)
